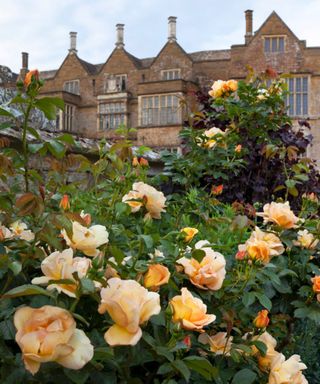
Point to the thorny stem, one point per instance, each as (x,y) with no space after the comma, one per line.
(25,144)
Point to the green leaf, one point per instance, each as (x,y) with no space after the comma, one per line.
(248,298)
(264,300)
(87,286)
(198,254)
(103,353)
(181,367)
(76,377)
(26,290)
(7,330)
(260,346)
(117,253)
(245,376)
(5,112)
(202,366)
(5,125)
(66,138)
(15,267)
(49,105)
(34,133)
(56,148)
(147,240)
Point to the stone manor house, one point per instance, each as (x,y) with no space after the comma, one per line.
(147,93)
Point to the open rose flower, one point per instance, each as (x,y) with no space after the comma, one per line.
(219,343)
(144,195)
(61,266)
(306,240)
(85,239)
(287,371)
(262,246)
(279,214)
(213,136)
(19,229)
(210,272)
(129,305)
(316,286)
(190,312)
(5,233)
(50,334)
(271,343)
(156,276)
(222,88)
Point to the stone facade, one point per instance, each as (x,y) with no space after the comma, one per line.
(148,94)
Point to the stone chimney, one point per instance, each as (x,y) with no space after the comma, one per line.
(73,42)
(248,34)
(120,35)
(172,29)
(25,65)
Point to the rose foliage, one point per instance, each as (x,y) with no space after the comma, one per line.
(117,281)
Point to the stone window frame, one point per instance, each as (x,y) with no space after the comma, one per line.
(65,121)
(113,117)
(165,74)
(273,38)
(298,96)
(72,86)
(160,110)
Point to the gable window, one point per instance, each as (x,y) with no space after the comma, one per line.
(170,74)
(297,97)
(72,86)
(116,83)
(160,110)
(111,115)
(274,44)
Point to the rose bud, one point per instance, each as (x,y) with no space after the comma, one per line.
(262,320)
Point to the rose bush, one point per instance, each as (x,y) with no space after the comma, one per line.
(120,282)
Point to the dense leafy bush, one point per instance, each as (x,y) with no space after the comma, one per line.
(258,149)
(118,283)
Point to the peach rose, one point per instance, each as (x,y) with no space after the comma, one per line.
(157,275)
(28,78)
(190,311)
(210,272)
(86,217)
(5,233)
(306,240)
(222,88)
(219,343)
(287,371)
(238,148)
(262,320)
(262,246)
(19,229)
(50,334)
(271,353)
(85,239)
(129,305)
(189,233)
(144,195)
(61,265)
(279,214)
(214,135)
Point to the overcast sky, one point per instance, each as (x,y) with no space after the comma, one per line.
(41,27)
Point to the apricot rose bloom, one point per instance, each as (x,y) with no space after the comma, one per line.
(287,371)
(219,343)
(279,214)
(271,343)
(156,275)
(316,286)
(85,239)
(262,320)
(210,272)
(129,305)
(262,246)
(222,88)
(306,240)
(28,78)
(61,265)
(50,334)
(144,195)
(213,134)
(189,233)
(190,311)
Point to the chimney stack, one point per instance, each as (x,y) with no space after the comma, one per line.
(25,65)
(248,34)
(172,30)
(120,35)
(73,42)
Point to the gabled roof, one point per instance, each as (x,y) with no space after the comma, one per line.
(222,54)
(274,14)
(92,69)
(165,46)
